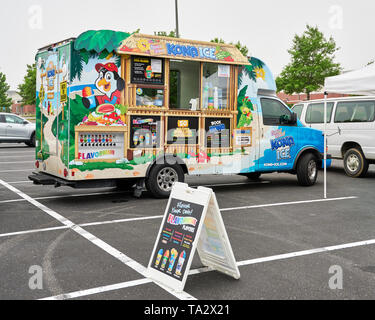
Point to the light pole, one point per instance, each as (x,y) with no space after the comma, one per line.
(177,29)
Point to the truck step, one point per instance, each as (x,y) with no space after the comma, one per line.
(42,179)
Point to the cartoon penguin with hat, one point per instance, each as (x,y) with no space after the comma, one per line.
(109,83)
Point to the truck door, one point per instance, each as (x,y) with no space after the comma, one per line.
(278,144)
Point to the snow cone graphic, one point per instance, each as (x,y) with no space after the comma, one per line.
(181,263)
(165,259)
(172,260)
(148,72)
(158,258)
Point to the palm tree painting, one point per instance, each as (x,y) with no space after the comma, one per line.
(95,44)
(251,71)
(246,109)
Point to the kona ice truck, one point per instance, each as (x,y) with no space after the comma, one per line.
(119,109)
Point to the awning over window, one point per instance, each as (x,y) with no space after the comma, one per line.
(175,48)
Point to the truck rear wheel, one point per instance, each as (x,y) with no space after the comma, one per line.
(161,179)
(253,176)
(307,170)
(355,164)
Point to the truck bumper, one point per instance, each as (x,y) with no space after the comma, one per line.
(40,178)
(329,160)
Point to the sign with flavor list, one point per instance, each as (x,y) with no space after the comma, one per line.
(145,70)
(145,131)
(217,132)
(183,130)
(184,223)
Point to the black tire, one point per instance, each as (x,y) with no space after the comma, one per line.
(125,184)
(307,170)
(31,142)
(161,179)
(355,163)
(253,176)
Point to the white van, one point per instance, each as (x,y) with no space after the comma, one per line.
(350,129)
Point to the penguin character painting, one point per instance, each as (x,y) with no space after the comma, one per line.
(109,84)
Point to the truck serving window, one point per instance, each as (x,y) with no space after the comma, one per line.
(315,112)
(184,84)
(355,111)
(275,113)
(216,81)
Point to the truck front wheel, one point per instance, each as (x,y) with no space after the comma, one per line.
(161,179)
(307,170)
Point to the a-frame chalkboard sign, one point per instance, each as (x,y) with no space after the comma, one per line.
(192,221)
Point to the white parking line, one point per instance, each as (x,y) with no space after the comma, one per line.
(104,193)
(90,224)
(66,196)
(19,182)
(21,170)
(11,234)
(160,217)
(83,293)
(13,162)
(287,203)
(95,240)
(307,252)
(13,156)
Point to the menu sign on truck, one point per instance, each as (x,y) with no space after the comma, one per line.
(145,70)
(145,132)
(192,221)
(183,130)
(217,132)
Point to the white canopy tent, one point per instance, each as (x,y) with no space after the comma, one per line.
(358,82)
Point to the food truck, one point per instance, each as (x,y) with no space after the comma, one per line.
(117,109)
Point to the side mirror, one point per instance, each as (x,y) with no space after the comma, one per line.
(294,118)
(26,122)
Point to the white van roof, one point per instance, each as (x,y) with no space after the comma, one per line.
(339,99)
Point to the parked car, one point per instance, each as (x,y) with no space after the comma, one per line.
(350,129)
(16,129)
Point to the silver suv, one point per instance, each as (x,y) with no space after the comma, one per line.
(16,129)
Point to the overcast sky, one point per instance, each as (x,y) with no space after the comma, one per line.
(266,27)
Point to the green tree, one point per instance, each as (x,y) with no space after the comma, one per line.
(27,89)
(244,50)
(312,60)
(5,101)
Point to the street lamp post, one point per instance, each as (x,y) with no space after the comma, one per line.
(177,29)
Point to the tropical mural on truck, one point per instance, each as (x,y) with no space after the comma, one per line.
(52,104)
(79,93)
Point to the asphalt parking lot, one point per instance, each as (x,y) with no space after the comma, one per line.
(96,244)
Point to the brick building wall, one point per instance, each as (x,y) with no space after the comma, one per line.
(18,109)
(296,98)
